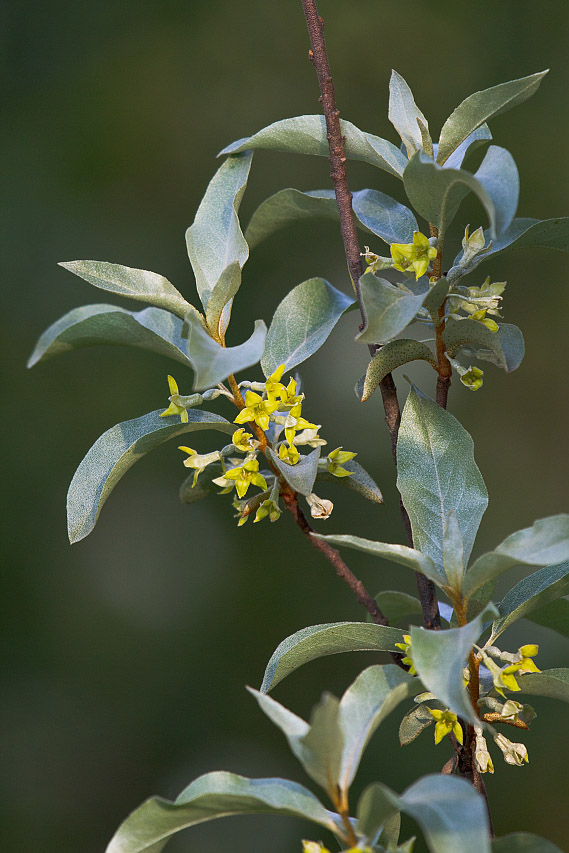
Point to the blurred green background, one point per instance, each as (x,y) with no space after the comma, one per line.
(127,655)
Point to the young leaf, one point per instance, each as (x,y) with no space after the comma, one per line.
(375,213)
(307,135)
(432,442)
(553,615)
(301,476)
(498,174)
(397,605)
(453,552)
(481,106)
(215,240)
(553,683)
(504,348)
(388,309)
(403,114)
(437,193)
(546,542)
(392,355)
(115,452)
(213,363)
(302,323)
(151,329)
(525,233)
(396,553)
(219,794)
(359,481)
(530,593)
(320,641)
(523,842)
(440,657)
(132,283)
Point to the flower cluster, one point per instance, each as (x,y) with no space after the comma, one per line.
(414,257)
(478,302)
(504,678)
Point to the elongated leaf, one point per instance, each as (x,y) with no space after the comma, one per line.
(375,212)
(307,135)
(396,605)
(440,657)
(553,683)
(319,641)
(546,542)
(473,141)
(396,553)
(359,481)
(364,706)
(554,615)
(498,174)
(301,476)
(302,323)
(530,593)
(213,363)
(525,233)
(437,193)
(481,106)
(115,452)
(220,794)
(388,309)
(523,842)
(151,329)
(504,348)
(403,114)
(132,283)
(436,474)
(390,356)
(376,806)
(416,721)
(215,240)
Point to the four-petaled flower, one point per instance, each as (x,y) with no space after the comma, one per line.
(413,257)
(199,461)
(256,410)
(242,440)
(447,722)
(286,396)
(294,422)
(336,459)
(407,650)
(289,454)
(245,475)
(174,408)
(473,378)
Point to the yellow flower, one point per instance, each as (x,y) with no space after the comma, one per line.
(473,378)
(268,508)
(486,321)
(199,461)
(413,257)
(174,408)
(256,410)
(294,422)
(273,383)
(289,454)
(447,722)
(336,459)
(504,679)
(242,440)
(406,648)
(245,475)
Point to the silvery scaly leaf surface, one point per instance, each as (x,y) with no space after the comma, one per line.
(504,348)
(525,233)
(532,592)
(552,683)
(390,356)
(301,476)
(213,363)
(498,174)
(553,615)
(388,309)
(403,114)
(359,480)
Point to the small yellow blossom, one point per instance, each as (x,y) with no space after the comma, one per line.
(256,410)
(336,459)
(473,378)
(294,422)
(314,847)
(413,257)
(520,663)
(199,461)
(268,508)
(309,437)
(273,383)
(289,454)
(245,475)
(374,262)
(174,408)
(242,440)
(486,321)
(406,648)
(447,722)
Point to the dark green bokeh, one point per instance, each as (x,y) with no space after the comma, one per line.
(129,652)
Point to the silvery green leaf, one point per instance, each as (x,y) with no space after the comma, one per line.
(432,442)
(532,592)
(398,605)
(359,481)
(440,657)
(416,721)
(525,233)
(546,542)
(523,842)
(554,615)
(436,296)
(498,174)
(219,303)
(213,363)
(376,807)
(301,476)
(307,135)
(215,240)
(150,826)
(383,216)
(392,355)
(403,114)
(132,283)
(436,192)
(388,309)
(302,323)
(479,107)
(504,348)
(363,707)
(553,683)
(151,329)
(478,137)
(318,641)
(115,452)
(409,557)
(453,552)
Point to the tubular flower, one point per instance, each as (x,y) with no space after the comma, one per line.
(520,663)
(407,650)
(245,475)
(256,410)
(514,753)
(482,757)
(413,257)
(472,245)
(199,461)
(242,440)
(268,508)
(289,454)
(336,459)
(447,722)
(174,408)
(309,437)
